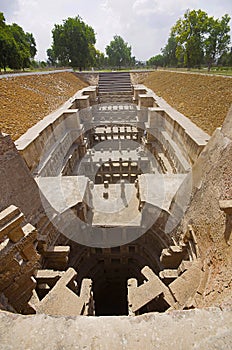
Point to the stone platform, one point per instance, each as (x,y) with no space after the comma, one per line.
(209,329)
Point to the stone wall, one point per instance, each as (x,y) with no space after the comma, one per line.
(18,260)
(176,133)
(89,78)
(192,329)
(210,213)
(20,189)
(19,186)
(41,138)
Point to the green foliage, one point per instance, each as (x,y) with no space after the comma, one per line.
(51,57)
(226,59)
(32,44)
(17,48)
(217,40)
(100,60)
(73,44)
(119,53)
(189,34)
(156,61)
(169,52)
(43,64)
(200,38)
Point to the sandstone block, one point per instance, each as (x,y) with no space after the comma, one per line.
(185,286)
(8,214)
(16,234)
(9,226)
(29,253)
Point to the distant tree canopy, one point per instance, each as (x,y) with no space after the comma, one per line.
(197,39)
(156,61)
(119,53)
(73,44)
(17,48)
(169,52)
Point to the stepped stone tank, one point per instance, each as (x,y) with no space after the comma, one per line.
(118,208)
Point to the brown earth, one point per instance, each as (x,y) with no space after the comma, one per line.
(25,100)
(203,99)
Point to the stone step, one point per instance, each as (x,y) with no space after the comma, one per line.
(8,214)
(114,82)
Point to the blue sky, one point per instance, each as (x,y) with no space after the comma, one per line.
(144,24)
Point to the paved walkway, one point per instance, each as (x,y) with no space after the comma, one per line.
(11,75)
(196,73)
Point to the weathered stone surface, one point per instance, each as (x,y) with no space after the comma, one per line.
(209,329)
(57,257)
(185,265)
(168,274)
(8,214)
(63,301)
(48,276)
(185,286)
(226,206)
(139,296)
(11,225)
(227,125)
(211,176)
(18,259)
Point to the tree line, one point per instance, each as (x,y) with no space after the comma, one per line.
(17,48)
(195,40)
(73,45)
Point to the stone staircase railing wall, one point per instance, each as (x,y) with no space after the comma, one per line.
(173,130)
(46,136)
(27,289)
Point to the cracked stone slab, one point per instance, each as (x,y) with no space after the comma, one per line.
(199,329)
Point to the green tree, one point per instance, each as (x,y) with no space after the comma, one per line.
(189,35)
(2,20)
(8,47)
(217,39)
(32,44)
(119,53)
(25,46)
(100,60)
(73,43)
(51,57)
(226,59)
(23,51)
(8,51)
(156,61)
(17,48)
(169,52)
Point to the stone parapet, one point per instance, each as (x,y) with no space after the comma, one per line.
(162,117)
(61,300)
(18,258)
(191,329)
(41,138)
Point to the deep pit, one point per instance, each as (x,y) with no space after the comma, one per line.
(110,183)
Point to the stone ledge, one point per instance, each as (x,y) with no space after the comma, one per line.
(226,206)
(193,329)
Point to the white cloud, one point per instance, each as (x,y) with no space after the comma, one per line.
(144,24)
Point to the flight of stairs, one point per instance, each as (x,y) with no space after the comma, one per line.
(114,87)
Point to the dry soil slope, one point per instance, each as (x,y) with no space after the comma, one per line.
(204,99)
(25,100)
